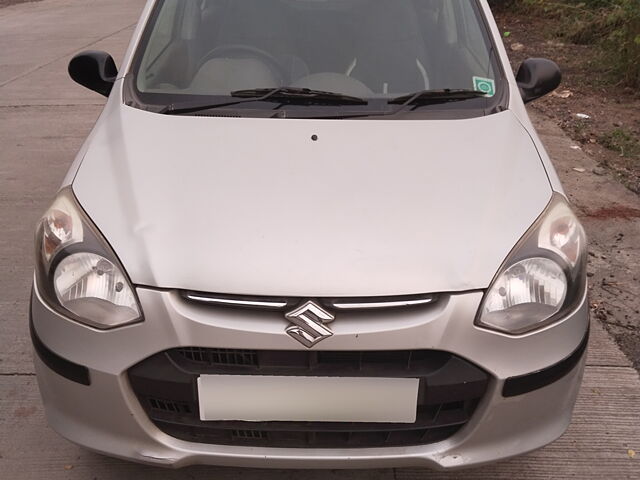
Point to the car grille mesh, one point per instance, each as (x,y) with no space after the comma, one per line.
(218,356)
(169,406)
(202,360)
(450,390)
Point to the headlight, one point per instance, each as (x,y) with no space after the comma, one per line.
(543,278)
(76,271)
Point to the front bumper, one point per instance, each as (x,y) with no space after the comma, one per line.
(106,416)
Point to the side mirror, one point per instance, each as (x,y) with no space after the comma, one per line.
(537,77)
(95,70)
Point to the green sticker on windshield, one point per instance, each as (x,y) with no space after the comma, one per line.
(486,85)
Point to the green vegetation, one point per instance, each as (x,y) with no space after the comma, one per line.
(622,141)
(612,25)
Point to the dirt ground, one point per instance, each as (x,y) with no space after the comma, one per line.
(611,133)
(603,119)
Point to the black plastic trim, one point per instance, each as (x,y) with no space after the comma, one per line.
(520,385)
(69,370)
(449,392)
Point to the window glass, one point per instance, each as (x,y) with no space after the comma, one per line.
(162,34)
(373,49)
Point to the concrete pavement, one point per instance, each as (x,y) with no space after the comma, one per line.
(44,117)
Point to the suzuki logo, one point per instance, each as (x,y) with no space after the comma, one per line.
(308,324)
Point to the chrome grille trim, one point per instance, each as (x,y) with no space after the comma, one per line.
(373,304)
(334,303)
(235,302)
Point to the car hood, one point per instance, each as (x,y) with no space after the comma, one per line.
(255,206)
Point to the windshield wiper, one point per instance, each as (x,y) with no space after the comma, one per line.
(436,96)
(300,95)
(192,107)
(423,97)
(280,95)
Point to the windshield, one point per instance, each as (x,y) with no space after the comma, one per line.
(376,50)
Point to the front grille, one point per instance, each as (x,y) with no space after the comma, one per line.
(450,389)
(331,303)
(218,356)
(248,435)
(338,363)
(169,406)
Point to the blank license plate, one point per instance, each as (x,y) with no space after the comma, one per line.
(313,399)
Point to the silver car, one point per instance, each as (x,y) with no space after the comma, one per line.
(311,234)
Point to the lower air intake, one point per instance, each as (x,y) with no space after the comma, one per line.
(450,390)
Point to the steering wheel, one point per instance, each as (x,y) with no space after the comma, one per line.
(239,50)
